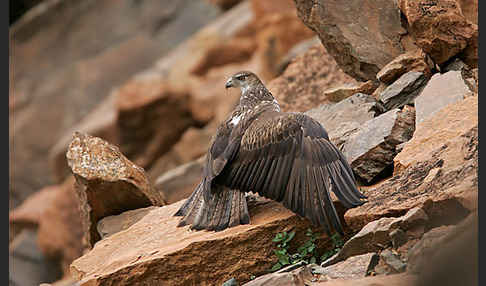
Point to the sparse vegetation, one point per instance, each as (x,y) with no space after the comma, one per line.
(307,252)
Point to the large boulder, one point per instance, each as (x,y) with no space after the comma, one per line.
(154,250)
(107,183)
(362,35)
(440,29)
(103,44)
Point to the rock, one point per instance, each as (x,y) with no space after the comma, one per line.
(300,86)
(402,279)
(180,182)
(441,90)
(297,50)
(448,142)
(59,235)
(432,255)
(392,261)
(339,93)
(155,251)
(112,224)
(376,235)
(299,276)
(151,118)
(469,9)
(231,282)
(372,148)
(439,28)
(352,268)
(278,29)
(403,91)
(27,265)
(350,33)
(28,214)
(106,44)
(398,237)
(100,122)
(107,183)
(343,119)
(415,60)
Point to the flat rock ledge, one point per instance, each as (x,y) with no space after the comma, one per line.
(107,183)
(154,251)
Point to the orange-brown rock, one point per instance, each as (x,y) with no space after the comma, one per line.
(278,30)
(439,28)
(60,232)
(339,93)
(28,214)
(301,86)
(362,35)
(436,170)
(100,122)
(415,60)
(107,183)
(151,118)
(154,251)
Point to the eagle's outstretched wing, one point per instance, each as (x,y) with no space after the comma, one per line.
(288,157)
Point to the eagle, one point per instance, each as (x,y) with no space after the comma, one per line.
(283,156)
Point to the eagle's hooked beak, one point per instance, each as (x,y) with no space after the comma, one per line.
(229,83)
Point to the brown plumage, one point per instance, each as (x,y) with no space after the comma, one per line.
(283,156)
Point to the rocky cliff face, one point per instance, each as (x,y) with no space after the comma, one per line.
(96,179)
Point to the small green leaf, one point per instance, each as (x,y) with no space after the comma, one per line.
(311,248)
(276,267)
(312,260)
(284,260)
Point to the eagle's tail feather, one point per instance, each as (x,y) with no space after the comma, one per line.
(225,208)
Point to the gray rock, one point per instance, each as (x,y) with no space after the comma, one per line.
(398,237)
(403,91)
(393,261)
(27,265)
(352,268)
(231,282)
(299,276)
(440,91)
(344,118)
(352,35)
(376,235)
(372,148)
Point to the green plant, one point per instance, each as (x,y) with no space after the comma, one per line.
(307,252)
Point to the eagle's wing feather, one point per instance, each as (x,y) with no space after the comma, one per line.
(288,157)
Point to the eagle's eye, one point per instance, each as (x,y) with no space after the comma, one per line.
(241,77)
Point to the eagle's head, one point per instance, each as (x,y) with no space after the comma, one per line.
(244,80)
